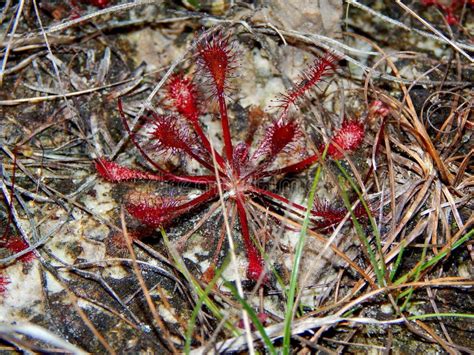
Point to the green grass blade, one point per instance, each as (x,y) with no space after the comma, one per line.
(417,276)
(197,288)
(398,261)
(436,315)
(297,260)
(379,268)
(253,316)
(199,303)
(434,260)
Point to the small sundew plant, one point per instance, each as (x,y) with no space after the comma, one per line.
(15,245)
(4,281)
(242,170)
(449,8)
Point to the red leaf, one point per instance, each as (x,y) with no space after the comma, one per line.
(183,95)
(171,135)
(216,58)
(4,281)
(279,138)
(347,139)
(378,108)
(16,245)
(114,172)
(331,215)
(320,68)
(156,215)
(98,3)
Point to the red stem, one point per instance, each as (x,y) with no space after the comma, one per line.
(293,168)
(201,161)
(159,215)
(208,195)
(280,199)
(255,267)
(205,142)
(225,127)
(114,172)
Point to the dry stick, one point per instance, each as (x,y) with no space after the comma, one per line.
(425,169)
(32,195)
(43,262)
(452,204)
(462,168)
(74,301)
(102,282)
(108,10)
(409,213)
(437,338)
(24,63)
(323,251)
(321,239)
(456,143)
(138,274)
(406,163)
(156,255)
(11,208)
(307,38)
(304,324)
(407,28)
(222,235)
(5,9)
(328,44)
(52,57)
(183,239)
(10,41)
(391,176)
(30,135)
(27,44)
(431,28)
(16,219)
(415,233)
(37,99)
(425,139)
(422,136)
(175,314)
(346,342)
(436,309)
(308,344)
(447,247)
(436,203)
(161,258)
(24,43)
(356,289)
(54,60)
(34,331)
(448,281)
(49,191)
(111,261)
